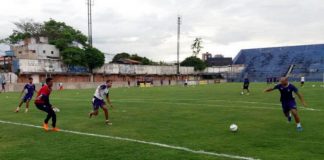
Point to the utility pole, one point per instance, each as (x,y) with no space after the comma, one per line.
(178,46)
(90,4)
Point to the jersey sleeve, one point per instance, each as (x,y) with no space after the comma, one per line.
(294,89)
(102,87)
(25,87)
(276,86)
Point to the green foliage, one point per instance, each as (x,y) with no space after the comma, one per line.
(195,62)
(62,35)
(143,60)
(196,46)
(120,56)
(94,58)
(74,56)
(25,29)
(58,33)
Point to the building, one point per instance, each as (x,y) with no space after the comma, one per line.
(128,61)
(206,56)
(217,60)
(30,49)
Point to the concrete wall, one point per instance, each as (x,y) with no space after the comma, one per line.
(222,69)
(44,51)
(9,77)
(42,65)
(141,69)
(35,51)
(22,52)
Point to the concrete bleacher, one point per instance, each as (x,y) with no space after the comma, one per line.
(261,63)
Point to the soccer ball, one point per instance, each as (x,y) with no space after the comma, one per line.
(313,86)
(56,109)
(233,127)
(242,93)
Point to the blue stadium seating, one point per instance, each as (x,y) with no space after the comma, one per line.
(308,61)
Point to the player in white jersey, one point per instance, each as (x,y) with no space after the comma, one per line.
(302,81)
(98,101)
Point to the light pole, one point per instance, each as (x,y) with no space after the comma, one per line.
(90,4)
(178,46)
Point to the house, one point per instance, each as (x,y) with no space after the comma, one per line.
(217,60)
(128,61)
(30,49)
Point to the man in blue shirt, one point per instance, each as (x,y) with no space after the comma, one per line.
(287,99)
(3,83)
(29,90)
(246,85)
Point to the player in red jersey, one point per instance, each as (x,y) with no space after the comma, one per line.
(42,103)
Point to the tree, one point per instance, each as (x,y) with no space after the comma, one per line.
(143,60)
(62,35)
(196,46)
(74,56)
(59,34)
(119,56)
(25,29)
(195,62)
(94,58)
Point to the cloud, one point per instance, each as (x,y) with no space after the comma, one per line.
(149,27)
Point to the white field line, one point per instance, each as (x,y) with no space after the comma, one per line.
(141,142)
(200,104)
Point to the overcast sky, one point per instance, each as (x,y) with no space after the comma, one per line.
(148,27)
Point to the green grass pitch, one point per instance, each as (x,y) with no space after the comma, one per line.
(197,118)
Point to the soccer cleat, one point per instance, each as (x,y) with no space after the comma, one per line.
(90,115)
(17,110)
(45,126)
(26,110)
(289,119)
(55,129)
(299,129)
(108,123)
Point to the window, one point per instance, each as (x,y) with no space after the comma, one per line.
(33,51)
(52,52)
(44,51)
(20,52)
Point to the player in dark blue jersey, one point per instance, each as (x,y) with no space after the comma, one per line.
(246,85)
(29,90)
(287,99)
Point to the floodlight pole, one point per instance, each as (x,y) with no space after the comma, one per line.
(178,46)
(90,4)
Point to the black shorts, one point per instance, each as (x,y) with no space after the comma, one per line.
(246,86)
(302,82)
(43,107)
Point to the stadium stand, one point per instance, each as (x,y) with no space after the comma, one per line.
(262,63)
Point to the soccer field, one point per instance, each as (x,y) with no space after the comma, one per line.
(168,123)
